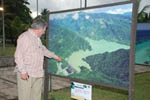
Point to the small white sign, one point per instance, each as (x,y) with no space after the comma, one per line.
(81,91)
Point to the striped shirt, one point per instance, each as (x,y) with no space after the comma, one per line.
(29,55)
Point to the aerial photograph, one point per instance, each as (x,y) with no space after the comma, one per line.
(94,44)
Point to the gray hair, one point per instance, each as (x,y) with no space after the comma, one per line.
(38,23)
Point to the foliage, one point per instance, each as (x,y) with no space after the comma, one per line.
(66,40)
(111,27)
(67,44)
(143,17)
(45,14)
(17,28)
(15,11)
(9,51)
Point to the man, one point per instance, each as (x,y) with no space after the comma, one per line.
(29,57)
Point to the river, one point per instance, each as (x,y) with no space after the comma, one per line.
(101,46)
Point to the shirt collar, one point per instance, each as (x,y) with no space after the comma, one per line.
(33,33)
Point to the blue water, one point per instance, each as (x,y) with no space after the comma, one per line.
(142,36)
(142,55)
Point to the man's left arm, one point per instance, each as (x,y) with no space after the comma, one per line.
(50,54)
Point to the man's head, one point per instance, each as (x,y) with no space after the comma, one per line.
(39,26)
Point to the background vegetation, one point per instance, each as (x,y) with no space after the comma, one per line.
(142,90)
(17,20)
(142,16)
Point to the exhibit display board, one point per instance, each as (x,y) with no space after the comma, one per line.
(94,44)
(142,55)
(80,91)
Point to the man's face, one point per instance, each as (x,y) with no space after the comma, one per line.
(41,32)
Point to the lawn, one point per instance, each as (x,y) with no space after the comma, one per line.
(9,50)
(142,90)
(142,86)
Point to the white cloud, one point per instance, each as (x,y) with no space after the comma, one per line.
(34,14)
(119,11)
(89,11)
(58,16)
(75,16)
(53,5)
(62,15)
(87,17)
(101,2)
(57,5)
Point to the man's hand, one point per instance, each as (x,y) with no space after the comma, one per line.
(59,59)
(24,76)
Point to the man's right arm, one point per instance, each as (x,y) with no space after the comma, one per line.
(22,46)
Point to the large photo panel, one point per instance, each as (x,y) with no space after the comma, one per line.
(142,54)
(94,44)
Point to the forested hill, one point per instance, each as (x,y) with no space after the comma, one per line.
(66,41)
(114,66)
(111,27)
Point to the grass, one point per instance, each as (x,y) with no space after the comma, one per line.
(9,50)
(98,93)
(142,86)
(142,90)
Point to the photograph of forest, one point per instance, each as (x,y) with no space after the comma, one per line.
(94,44)
(142,54)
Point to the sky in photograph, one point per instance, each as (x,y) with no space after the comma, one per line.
(119,9)
(144,3)
(55,5)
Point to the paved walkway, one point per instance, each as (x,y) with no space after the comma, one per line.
(8,84)
(140,69)
(8,87)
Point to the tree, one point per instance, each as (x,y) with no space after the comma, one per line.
(18,8)
(15,11)
(143,16)
(17,27)
(45,13)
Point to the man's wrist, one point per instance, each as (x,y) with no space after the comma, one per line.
(23,72)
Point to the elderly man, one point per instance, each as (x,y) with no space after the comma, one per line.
(29,57)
